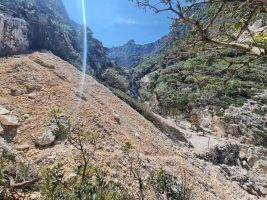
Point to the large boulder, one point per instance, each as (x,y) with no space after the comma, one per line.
(227,153)
(3,111)
(9,120)
(46,139)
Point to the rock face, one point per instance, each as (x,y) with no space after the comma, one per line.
(13,35)
(37,24)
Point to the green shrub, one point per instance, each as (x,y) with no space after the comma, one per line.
(145,112)
(112,78)
(168,187)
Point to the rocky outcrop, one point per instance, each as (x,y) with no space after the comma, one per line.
(13,35)
(35,24)
(224,154)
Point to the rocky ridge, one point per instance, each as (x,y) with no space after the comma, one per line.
(130,55)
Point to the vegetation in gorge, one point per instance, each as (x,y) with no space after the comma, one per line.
(202,81)
(231,18)
(170,131)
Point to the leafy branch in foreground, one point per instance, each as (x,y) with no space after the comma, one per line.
(230,18)
(89,180)
(16,177)
(161,184)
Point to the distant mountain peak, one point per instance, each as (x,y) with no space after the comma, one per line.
(131,42)
(130,54)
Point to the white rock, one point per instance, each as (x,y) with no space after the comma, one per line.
(23,147)
(46,139)
(116,117)
(35,196)
(3,111)
(32,95)
(9,120)
(137,135)
(1,130)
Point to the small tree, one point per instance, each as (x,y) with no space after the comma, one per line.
(90,181)
(230,18)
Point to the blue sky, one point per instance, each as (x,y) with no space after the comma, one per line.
(115,22)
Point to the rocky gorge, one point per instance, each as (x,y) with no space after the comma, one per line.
(217,144)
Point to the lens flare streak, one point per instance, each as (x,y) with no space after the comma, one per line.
(84,58)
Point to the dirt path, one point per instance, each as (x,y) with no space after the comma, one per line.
(200,142)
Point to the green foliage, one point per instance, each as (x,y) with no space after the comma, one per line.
(114,79)
(93,185)
(203,80)
(127,146)
(143,110)
(15,176)
(63,124)
(168,186)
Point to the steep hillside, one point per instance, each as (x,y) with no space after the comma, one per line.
(32,85)
(29,25)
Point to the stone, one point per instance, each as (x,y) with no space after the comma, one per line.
(46,139)
(13,33)
(9,120)
(32,95)
(81,96)
(262,190)
(242,155)
(227,154)
(116,117)
(261,165)
(1,130)
(137,135)
(4,111)
(245,165)
(26,116)
(35,196)
(4,145)
(251,160)
(23,147)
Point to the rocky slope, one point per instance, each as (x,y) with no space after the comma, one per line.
(35,24)
(32,85)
